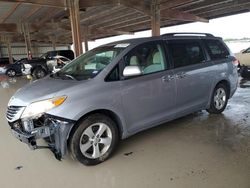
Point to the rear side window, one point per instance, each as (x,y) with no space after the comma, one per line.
(216,49)
(186,53)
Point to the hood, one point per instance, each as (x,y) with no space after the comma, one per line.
(40,90)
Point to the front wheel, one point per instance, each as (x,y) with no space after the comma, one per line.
(11,73)
(219,99)
(94,140)
(39,73)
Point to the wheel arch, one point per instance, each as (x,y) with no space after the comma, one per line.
(106,112)
(38,67)
(225,83)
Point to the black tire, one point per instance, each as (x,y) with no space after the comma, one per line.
(11,73)
(213,109)
(39,73)
(77,135)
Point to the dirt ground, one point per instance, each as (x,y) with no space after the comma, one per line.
(199,150)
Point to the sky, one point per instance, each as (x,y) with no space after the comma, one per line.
(235,26)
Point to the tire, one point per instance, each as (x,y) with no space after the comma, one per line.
(39,73)
(84,142)
(219,99)
(11,73)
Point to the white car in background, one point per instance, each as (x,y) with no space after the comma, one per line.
(244,57)
(57,63)
(2,70)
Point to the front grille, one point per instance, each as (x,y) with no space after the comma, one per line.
(12,112)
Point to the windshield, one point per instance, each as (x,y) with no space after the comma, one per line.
(91,63)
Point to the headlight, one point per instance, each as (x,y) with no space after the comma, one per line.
(40,107)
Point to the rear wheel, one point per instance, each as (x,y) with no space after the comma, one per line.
(94,140)
(219,99)
(11,73)
(39,73)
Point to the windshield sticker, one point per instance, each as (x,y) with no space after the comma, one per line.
(124,45)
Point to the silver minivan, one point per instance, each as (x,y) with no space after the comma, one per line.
(122,88)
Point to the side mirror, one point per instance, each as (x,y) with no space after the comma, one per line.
(130,71)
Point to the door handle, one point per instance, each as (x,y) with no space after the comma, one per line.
(181,75)
(167,78)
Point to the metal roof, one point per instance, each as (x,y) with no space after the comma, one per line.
(50,19)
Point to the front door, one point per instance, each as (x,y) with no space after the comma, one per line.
(148,99)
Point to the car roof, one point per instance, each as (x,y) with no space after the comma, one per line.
(168,36)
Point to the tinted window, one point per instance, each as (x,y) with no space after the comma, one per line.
(186,53)
(216,49)
(247,51)
(113,75)
(149,57)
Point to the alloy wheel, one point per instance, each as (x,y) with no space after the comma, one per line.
(95,140)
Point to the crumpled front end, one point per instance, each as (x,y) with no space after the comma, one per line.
(54,130)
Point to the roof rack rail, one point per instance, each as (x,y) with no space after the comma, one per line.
(188,34)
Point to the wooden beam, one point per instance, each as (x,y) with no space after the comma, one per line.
(50,3)
(116,18)
(92,3)
(32,12)
(75,25)
(102,13)
(9,13)
(126,23)
(173,3)
(108,31)
(155,19)
(145,8)
(182,16)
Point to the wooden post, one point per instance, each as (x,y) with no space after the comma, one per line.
(27,40)
(53,42)
(86,39)
(155,19)
(9,50)
(75,25)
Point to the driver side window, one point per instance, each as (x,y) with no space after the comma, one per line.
(148,57)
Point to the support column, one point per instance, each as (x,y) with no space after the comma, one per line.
(75,25)
(155,19)
(9,50)
(86,45)
(53,42)
(26,34)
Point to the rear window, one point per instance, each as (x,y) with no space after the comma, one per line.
(186,53)
(216,49)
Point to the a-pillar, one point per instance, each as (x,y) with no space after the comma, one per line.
(75,25)
(155,18)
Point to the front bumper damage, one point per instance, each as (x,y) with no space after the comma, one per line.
(55,131)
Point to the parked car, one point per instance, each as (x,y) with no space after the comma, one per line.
(119,89)
(36,67)
(244,59)
(40,67)
(4,61)
(15,68)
